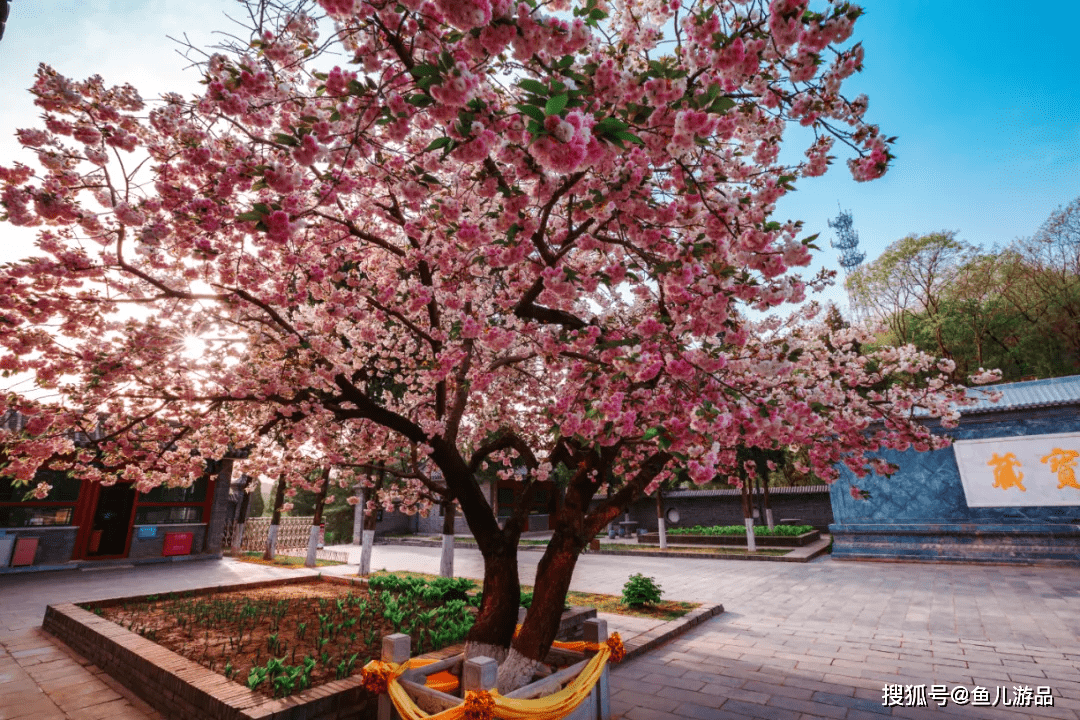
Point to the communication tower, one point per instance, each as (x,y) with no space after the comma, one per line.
(847,242)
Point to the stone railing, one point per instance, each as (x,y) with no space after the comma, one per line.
(293,534)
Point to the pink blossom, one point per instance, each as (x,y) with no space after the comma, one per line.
(465,14)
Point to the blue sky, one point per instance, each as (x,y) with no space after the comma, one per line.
(981,95)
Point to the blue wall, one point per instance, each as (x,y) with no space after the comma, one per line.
(920,513)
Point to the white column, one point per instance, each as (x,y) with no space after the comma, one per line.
(751,544)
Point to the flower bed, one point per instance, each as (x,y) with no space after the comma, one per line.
(735,535)
(181,687)
(283,639)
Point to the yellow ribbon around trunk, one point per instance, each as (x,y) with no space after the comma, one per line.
(483,705)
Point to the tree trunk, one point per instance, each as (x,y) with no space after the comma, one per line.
(371,519)
(661,527)
(275,520)
(748,516)
(541,625)
(446,562)
(765,499)
(316,521)
(241,516)
(358,514)
(493,631)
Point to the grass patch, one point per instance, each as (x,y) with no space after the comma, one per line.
(666,610)
(759,530)
(280,560)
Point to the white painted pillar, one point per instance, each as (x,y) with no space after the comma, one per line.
(751,543)
(662,529)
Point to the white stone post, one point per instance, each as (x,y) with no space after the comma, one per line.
(396,649)
(751,543)
(595,631)
(479,673)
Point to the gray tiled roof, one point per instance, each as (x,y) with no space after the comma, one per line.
(1027,394)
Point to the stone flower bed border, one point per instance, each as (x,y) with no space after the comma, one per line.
(767,541)
(180,688)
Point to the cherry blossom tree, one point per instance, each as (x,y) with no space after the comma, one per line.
(490,236)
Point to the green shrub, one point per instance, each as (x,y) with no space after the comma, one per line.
(640,590)
(759,530)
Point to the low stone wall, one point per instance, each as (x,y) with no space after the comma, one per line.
(953,542)
(808,505)
(55,544)
(181,689)
(735,540)
(151,547)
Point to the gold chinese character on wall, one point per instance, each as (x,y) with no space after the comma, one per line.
(1063,462)
(1004,476)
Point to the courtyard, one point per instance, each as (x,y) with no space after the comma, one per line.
(827,639)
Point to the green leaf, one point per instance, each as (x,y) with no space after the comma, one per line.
(609,125)
(532,111)
(628,137)
(437,143)
(419,71)
(721,104)
(250,216)
(533,86)
(556,104)
(651,433)
(286,139)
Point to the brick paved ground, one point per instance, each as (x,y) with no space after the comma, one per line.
(821,640)
(798,641)
(41,679)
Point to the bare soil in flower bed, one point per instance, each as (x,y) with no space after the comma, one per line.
(283,639)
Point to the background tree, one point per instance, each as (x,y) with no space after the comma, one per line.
(907,283)
(505,238)
(1014,308)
